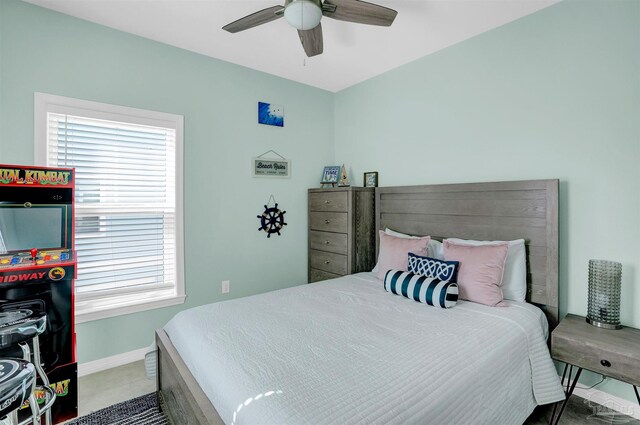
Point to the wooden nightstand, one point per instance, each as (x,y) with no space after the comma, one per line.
(613,353)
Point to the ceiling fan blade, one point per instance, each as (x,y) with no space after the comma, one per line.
(359,11)
(311,40)
(261,17)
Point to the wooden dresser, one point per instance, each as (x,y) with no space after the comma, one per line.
(341,232)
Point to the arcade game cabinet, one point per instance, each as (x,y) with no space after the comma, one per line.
(37,271)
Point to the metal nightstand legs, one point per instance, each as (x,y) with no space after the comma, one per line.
(569,390)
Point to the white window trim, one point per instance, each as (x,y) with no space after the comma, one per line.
(135,306)
(127,303)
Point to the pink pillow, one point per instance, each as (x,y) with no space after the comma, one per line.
(480,272)
(394,252)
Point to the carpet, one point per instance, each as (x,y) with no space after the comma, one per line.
(143,410)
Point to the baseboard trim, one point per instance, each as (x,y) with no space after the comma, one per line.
(110,362)
(621,405)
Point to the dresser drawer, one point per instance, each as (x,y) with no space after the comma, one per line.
(599,359)
(318,275)
(328,201)
(328,262)
(327,241)
(328,221)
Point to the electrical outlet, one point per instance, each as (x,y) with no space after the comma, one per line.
(225,286)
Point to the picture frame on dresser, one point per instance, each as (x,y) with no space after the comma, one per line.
(331,174)
(370,179)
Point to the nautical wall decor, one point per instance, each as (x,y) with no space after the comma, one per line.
(272,219)
(271,167)
(270,114)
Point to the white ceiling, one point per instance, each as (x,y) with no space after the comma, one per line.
(352,52)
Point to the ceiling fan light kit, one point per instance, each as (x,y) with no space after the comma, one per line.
(305,16)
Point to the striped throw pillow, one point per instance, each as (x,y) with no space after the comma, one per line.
(427,290)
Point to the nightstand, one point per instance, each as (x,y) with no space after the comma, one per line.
(612,353)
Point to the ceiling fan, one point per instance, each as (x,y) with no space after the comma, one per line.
(305,15)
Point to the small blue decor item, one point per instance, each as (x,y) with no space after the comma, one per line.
(269,114)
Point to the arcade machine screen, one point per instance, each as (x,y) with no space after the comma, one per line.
(22,229)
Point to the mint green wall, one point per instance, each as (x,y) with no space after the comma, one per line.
(553,95)
(49,52)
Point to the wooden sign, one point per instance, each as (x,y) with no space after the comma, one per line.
(271,168)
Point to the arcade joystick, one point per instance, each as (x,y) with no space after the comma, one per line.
(34,254)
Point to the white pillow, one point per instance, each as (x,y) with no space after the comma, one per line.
(435,248)
(514,279)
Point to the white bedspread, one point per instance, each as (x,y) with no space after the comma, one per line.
(345,351)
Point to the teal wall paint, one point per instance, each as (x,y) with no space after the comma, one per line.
(555,94)
(48,52)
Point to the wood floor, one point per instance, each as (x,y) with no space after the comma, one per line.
(122,383)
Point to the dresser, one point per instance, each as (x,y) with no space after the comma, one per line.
(341,232)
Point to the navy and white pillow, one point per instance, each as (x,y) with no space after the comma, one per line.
(427,290)
(431,267)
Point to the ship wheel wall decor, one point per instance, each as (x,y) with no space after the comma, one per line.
(272,220)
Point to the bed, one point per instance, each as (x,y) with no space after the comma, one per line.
(346,351)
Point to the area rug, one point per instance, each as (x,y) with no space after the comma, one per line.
(143,410)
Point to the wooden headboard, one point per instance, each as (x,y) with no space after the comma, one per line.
(485,211)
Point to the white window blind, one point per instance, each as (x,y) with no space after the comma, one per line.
(126,235)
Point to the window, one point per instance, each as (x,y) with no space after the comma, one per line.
(128,201)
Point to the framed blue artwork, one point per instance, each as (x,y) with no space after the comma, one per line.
(331,174)
(270,114)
